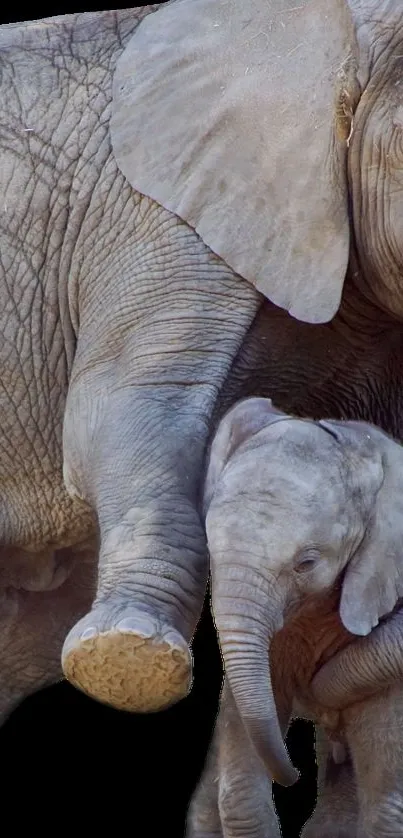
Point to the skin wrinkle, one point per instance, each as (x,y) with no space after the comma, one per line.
(390,654)
(36,308)
(376,205)
(378,24)
(354,390)
(374,165)
(363,349)
(56,207)
(37,341)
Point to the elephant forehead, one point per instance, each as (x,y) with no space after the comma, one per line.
(277,524)
(222,115)
(275,484)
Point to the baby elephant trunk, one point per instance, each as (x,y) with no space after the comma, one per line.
(246,625)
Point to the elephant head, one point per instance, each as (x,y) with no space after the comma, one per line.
(292,507)
(269,127)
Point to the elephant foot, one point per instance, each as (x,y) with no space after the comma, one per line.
(132,662)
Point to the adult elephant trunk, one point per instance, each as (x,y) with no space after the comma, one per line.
(363,668)
(246,624)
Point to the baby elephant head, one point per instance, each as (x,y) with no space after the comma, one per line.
(291,507)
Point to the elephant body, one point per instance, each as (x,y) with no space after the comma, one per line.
(125,334)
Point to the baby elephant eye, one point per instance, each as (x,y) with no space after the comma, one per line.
(306,560)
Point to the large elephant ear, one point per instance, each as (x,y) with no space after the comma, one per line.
(373,580)
(236,116)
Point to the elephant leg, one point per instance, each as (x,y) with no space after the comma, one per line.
(33,625)
(245,794)
(160,322)
(203,819)
(336,811)
(235,790)
(374,733)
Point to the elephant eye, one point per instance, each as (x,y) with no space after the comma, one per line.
(306,560)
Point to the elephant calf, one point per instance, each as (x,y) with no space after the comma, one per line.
(305,545)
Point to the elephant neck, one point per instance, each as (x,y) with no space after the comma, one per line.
(360,319)
(305,643)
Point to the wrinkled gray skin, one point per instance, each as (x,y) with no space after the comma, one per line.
(301,519)
(123,338)
(118,329)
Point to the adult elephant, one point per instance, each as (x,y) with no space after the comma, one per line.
(175,188)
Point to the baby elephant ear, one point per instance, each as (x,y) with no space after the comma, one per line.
(236,116)
(244,420)
(373,581)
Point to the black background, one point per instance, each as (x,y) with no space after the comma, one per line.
(68,762)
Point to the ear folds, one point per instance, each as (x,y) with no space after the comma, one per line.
(373,580)
(244,420)
(236,117)
(372,585)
